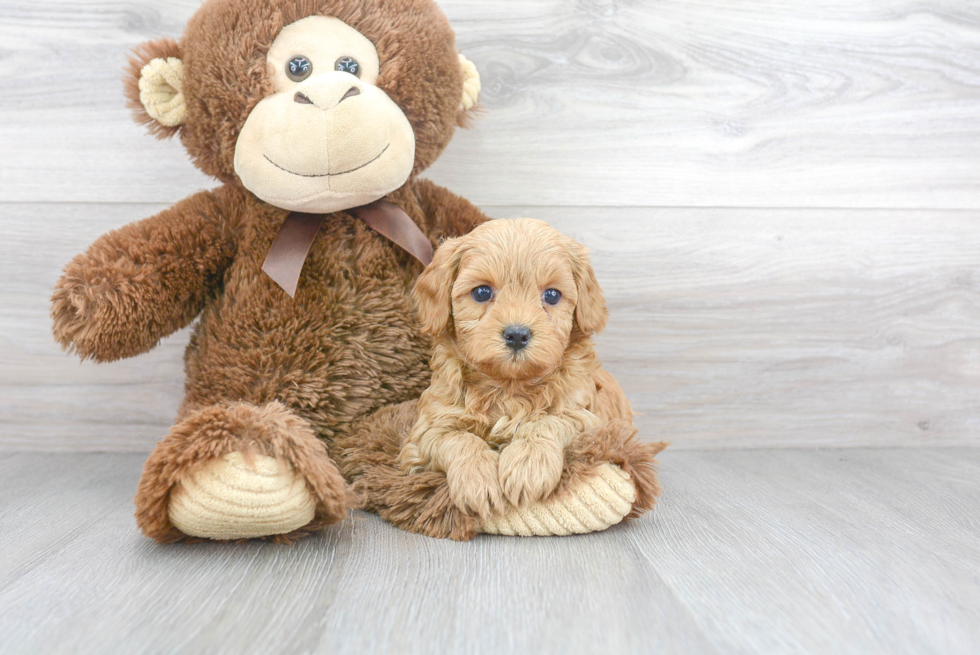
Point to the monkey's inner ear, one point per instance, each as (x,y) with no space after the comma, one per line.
(154,83)
(471,86)
(161,90)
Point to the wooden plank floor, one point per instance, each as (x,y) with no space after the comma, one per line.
(750,551)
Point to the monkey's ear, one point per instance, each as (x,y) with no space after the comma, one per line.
(154,87)
(434,288)
(468,103)
(590,310)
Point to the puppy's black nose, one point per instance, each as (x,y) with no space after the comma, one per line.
(517,336)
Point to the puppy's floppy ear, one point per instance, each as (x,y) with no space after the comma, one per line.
(433,290)
(590,310)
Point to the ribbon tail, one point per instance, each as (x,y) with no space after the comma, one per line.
(286,257)
(391,221)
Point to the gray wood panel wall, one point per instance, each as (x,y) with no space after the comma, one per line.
(783,200)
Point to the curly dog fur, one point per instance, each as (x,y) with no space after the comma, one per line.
(500,423)
(497,417)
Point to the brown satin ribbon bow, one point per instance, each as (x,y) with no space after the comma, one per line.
(288,252)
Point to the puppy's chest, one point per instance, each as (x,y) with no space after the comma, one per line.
(497,422)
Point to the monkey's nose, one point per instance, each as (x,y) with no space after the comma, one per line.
(351,92)
(304,99)
(517,336)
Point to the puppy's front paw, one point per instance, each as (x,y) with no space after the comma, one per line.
(529,470)
(473,484)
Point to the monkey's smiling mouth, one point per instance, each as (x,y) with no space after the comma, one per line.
(356,168)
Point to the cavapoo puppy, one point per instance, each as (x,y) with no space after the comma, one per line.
(512,307)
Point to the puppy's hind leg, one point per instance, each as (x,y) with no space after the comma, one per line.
(611,402)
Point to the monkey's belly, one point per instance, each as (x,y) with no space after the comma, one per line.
(331,356)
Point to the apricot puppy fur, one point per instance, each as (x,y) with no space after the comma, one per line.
(512,307)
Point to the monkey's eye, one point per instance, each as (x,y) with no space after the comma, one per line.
(482,293)
(299,68)
(551,296)
(348,65)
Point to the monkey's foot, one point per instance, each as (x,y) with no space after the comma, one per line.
(588,505)
(239,471)
(230,498)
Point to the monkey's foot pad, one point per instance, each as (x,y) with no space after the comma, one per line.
(234,499)
(589,506)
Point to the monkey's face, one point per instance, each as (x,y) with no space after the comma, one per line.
(328,138)
(312,105)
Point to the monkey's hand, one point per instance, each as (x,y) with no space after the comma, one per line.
(136,285)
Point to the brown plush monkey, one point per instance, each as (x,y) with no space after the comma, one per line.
(317,106)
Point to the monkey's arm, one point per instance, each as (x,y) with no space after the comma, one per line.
(142,282)
(447,215)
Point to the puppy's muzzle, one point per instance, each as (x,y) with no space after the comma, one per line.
(517,336)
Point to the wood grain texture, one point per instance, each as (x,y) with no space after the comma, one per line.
(752,551)
(595,102)
(57,401)
(728,328)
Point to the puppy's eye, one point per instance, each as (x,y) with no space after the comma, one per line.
(348,65)
(551,296)
(299,68)
(482,293)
